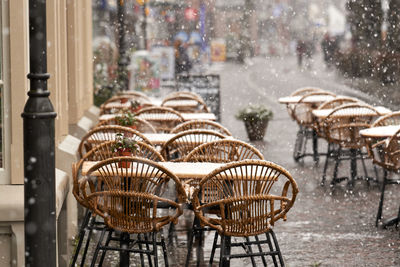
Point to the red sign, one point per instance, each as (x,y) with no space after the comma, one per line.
(190,13)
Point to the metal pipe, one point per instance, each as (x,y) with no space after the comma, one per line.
(39,157)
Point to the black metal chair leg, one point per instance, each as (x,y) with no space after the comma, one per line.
(103,255)
(81,236)
(140,247)
(271,247)
(222,252)
(380,207)
(249,249)
(260,249)
(214,247)
(155,249)
(315,147)
(96,252)
(298,144)
(277,247)
(328,155)
(365,168)
(164,248)
(90,226)
(146,238)
(335,170)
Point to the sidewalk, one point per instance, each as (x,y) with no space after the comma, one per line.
(326,227)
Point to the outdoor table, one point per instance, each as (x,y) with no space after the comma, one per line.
(314,99)
(383,132)
(183,170)
(150,117)
(155,102)
(323,113)
(380,132)
(157,139)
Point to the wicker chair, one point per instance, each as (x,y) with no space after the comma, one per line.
(107,133)
(386,153)
(107,110)
(135,94)
(343,130)
(100,152)
(201,124)
(306,90)
(251,196)
(219,151)
(200,107)
(129,200)
(170,119)
(140,125)
(223,151)
(179,146)
(302,114)
(183,93)
(334,103)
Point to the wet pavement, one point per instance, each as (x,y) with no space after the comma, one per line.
(326,226)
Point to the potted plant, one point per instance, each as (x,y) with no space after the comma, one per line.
(255,118)
(135,105)
(126,119)
(124,146)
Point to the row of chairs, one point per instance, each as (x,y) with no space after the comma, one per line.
(343,138)
(144,101)
(244,204)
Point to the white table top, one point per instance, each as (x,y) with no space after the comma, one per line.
(323,113)
(186,116)
(380,132)
(310,99)
(157,139)
(185,170)
(155,102)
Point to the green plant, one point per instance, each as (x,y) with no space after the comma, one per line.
(126,119)
(255,112)
(135,105)
(124,144)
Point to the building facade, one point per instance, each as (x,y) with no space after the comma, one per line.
(69,63)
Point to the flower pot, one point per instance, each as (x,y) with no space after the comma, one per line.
(256,129)
(124,153)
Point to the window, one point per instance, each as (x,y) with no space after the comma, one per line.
(4,95)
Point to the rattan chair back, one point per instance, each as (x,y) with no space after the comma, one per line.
(306,90)
(343,124)
(201,124)
(140,125)
(129,191)
(170,119)
(376,146)
(391,153)
(136,94)
(144,102)
(250,194)
(200,107)
(193,95)
(223,151)
(107,150)
(302,110)
(107,133)
(179,146)
(338,101)
(392,118)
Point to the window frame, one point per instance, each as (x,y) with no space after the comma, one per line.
(5,170)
